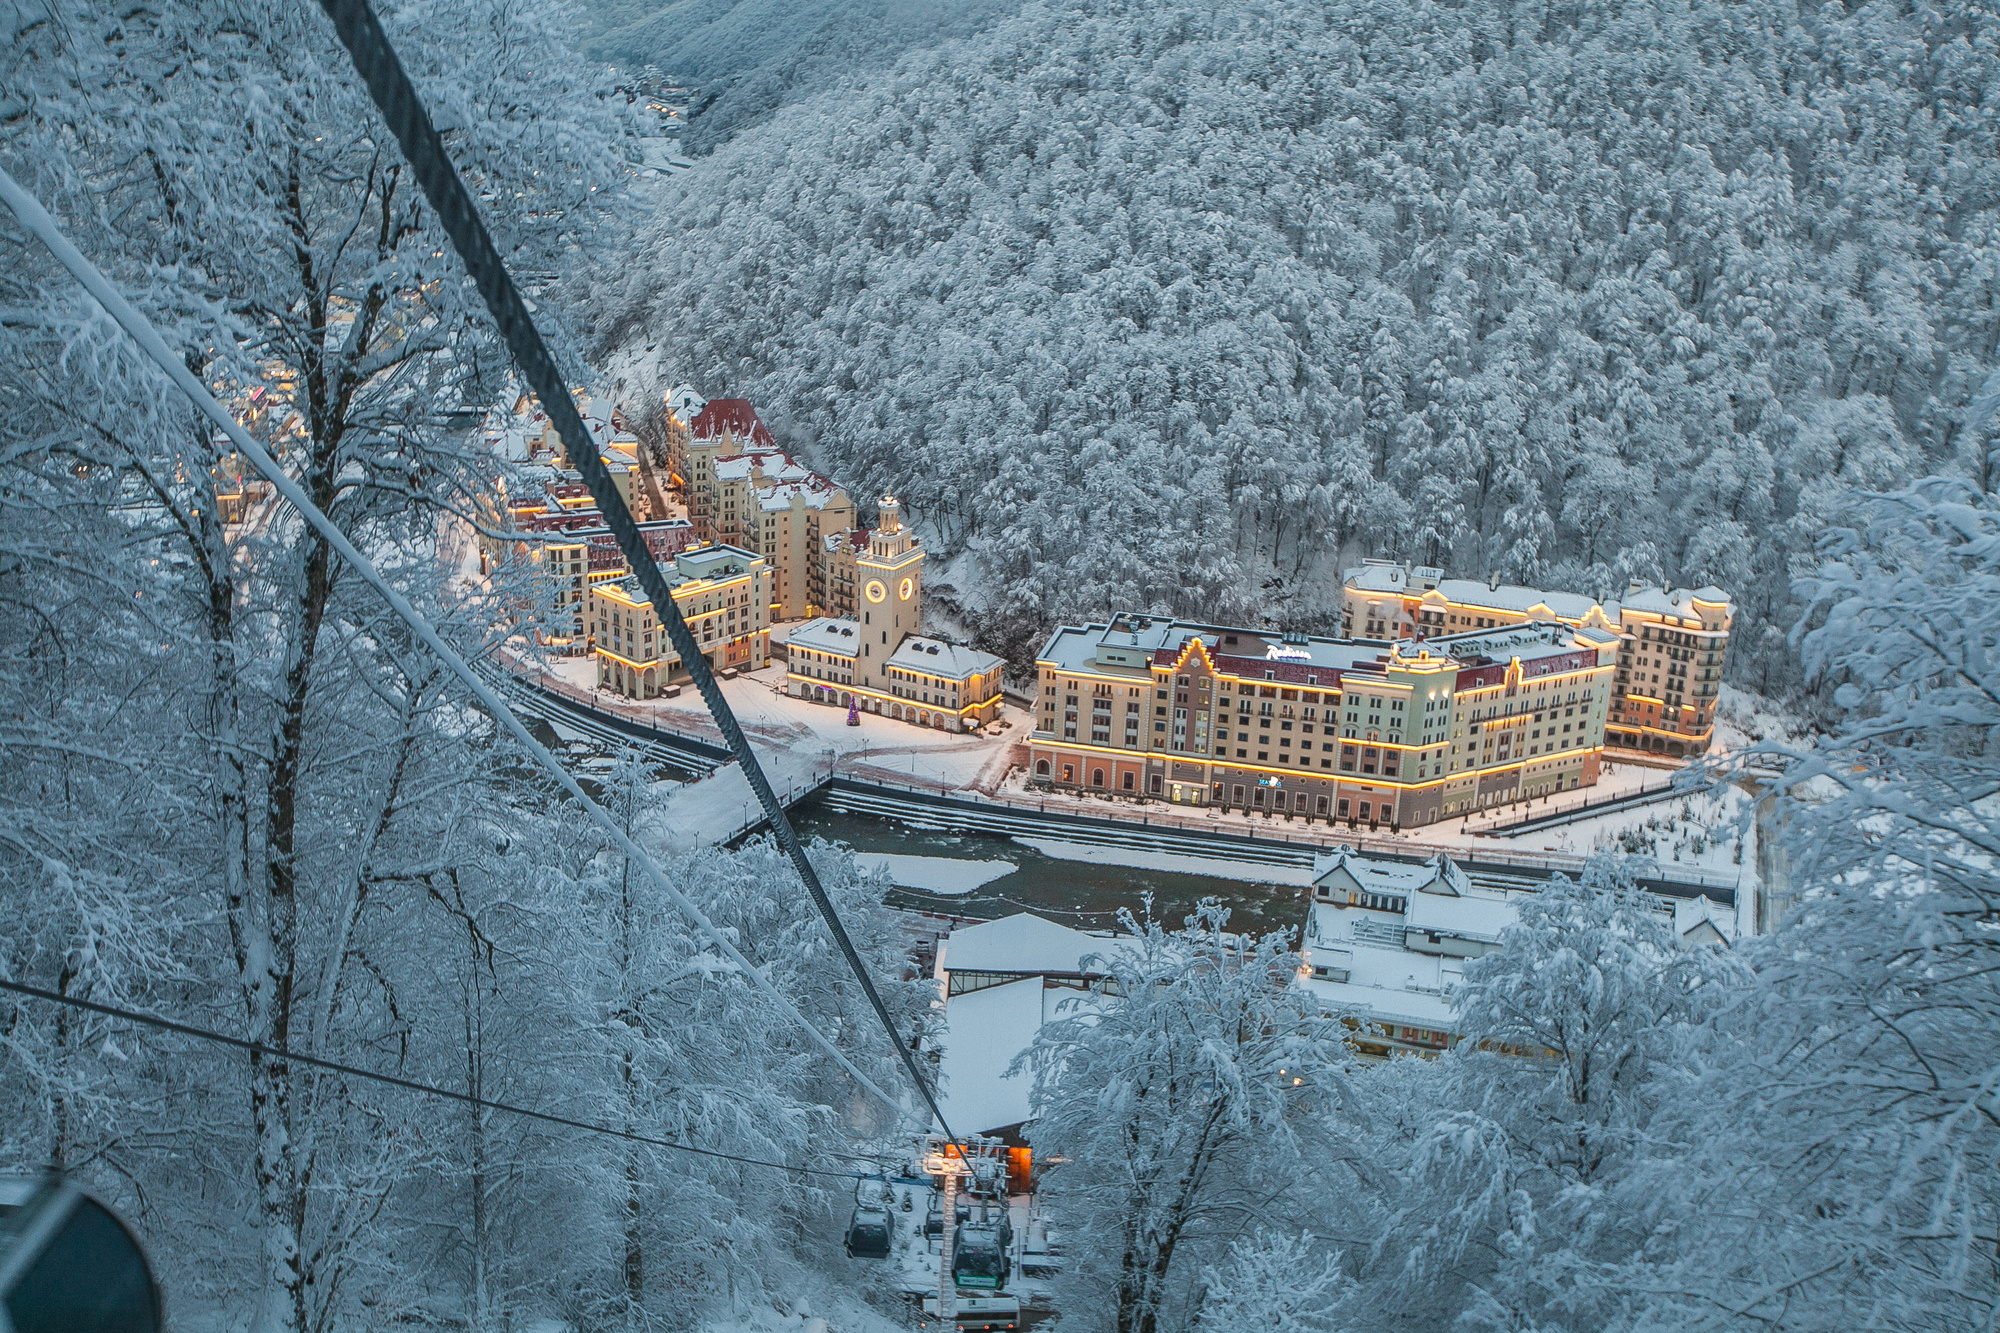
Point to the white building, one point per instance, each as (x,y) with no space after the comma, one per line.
(999,982)
(1387,940)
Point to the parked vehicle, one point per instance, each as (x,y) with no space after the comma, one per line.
(978,1314)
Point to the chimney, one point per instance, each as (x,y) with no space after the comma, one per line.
(1493,581)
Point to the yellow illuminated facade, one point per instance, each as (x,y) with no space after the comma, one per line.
(1400,734)
(722,592)
(873,660)
(1672,643)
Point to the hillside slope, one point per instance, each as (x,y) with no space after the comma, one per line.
(1163,306)
(752,58)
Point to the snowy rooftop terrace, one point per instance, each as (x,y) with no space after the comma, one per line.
(1132,642)
(827,635)
(1139,643)
(954,661)
(775,466)
(1527,642)
(817,494)
(1395,578)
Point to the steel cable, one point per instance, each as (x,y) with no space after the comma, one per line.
(394,95)
(140,329)
(394,1080)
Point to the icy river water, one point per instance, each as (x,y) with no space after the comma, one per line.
(1083,893)
(1086,894)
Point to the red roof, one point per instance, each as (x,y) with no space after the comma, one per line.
(726,416)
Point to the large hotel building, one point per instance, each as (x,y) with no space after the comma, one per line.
(1671,642)
(1456,696)
(1393,733)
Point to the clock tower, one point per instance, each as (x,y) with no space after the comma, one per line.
(890,581)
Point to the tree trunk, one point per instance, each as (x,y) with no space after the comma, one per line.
(270,972)
(475,1085)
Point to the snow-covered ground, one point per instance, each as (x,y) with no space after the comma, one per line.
(1743,719)
(773,719)
(1241,871)
(797,743)
(1696,829)
(934,874)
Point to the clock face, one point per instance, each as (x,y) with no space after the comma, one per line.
(904,591)
(876,592)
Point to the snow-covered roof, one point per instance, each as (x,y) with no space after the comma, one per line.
(1700,920)
(684,402)
(1400,965)
(1383,1003)
(1133,642)
(1671,602)
(951,660)
(827,635)
(514,444)
(770,464)
(1439,875)
(1023,943)
(1383,979)
(1513,597)
(813,494)
(1528,642)
(984,1030)
(1472,916)
(731,416)
(1389,576)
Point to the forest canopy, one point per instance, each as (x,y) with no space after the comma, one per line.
(1181,307)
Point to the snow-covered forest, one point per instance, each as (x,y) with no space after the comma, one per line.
(1135,305)
(238,791)
(1152,304)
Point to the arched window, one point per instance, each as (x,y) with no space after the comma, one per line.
(1097,777)
(1041,768)
(1127,783)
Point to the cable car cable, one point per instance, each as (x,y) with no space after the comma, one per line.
(140,329)
(394,95)
(258,1048)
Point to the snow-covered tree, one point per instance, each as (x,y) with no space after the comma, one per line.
(1847,1130)
(1183,1104)
(1503,1170)
(222,162)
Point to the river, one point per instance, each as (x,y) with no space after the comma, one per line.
(1086,894)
